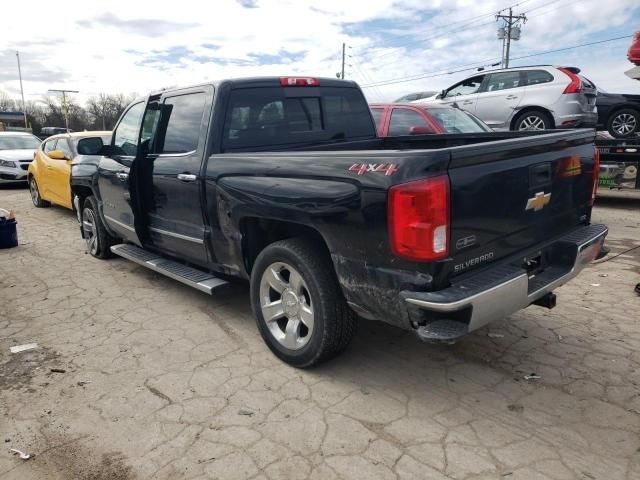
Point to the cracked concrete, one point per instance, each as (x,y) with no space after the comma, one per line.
(164,382)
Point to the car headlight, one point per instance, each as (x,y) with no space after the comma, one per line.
(7,163)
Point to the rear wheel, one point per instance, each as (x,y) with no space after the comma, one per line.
(533,120)
(298,305)
(98,240)
(624,123)
(36,198)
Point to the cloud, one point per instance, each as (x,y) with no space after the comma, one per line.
(148,27)
(248,3)
(120,47)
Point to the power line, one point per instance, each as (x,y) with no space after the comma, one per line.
(447,30)
(478,64)
(453,32)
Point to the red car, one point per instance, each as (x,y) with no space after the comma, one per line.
(634,50)
(393,119)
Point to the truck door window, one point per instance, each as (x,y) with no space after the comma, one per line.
(466,87)
(181,118)
(125,140)
(402,119)
(503,81)
(377,116)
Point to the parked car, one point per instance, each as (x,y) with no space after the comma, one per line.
(49,173)
(393,119)
(412,97)
(619,114)
(283,182)
(526,98)
(634,50)
(46,132)
(16,153)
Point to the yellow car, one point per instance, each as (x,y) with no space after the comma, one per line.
(48,173)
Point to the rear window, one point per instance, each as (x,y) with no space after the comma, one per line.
(276,117)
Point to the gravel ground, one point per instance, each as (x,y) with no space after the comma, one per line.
(160,381)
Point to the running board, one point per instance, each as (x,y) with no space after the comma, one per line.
(203,281)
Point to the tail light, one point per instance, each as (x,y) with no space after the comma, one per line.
(596,175)
(299,82)
(576,84)
(418,215)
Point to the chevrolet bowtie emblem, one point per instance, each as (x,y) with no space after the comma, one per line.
(538,201)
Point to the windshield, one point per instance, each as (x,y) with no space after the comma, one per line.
(454,120)
(19,142)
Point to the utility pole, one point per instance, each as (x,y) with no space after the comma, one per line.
(342,74)
(64,104)
(510,30)
(24,110)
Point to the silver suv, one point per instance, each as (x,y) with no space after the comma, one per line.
(526,98)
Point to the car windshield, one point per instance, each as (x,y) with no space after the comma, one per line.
(18,142)
(454,120)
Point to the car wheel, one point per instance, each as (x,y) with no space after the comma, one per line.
(298,304)
(624,123)
(36,198)
(98,240)
(533,120)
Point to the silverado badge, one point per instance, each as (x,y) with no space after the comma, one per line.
(538,201)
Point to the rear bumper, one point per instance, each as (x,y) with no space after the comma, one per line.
(504,289)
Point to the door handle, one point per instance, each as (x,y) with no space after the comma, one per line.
(187,177)
(122,176)
(511,97)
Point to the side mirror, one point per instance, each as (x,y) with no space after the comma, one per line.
(105,150)
(57,155)
(421,130)
(442,94)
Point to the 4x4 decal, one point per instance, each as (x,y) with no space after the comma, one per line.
(387,168)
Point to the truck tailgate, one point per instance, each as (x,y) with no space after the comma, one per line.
(508,200)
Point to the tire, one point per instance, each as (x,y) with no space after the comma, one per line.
(313,337)
(624,123)
(37,200)
(98,240)
(533,120)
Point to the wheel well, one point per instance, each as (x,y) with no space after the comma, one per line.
(531,109)
(82,192)
(258,233)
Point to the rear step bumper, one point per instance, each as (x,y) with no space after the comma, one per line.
(501,290)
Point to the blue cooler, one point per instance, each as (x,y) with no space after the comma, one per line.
(8,230)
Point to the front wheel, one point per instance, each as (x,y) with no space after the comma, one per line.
(98,240)
(298,305)
(36,198)
(533,120)
(624,123)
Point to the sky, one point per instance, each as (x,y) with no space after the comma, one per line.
(139,46)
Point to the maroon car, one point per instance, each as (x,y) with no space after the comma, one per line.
(634,50)
(393,119)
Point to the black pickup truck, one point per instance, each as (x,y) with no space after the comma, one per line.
(283,182)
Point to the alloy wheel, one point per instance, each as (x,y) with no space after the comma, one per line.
(624,124)
(90,230)
(532,122)
(33,189)
(286,305)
